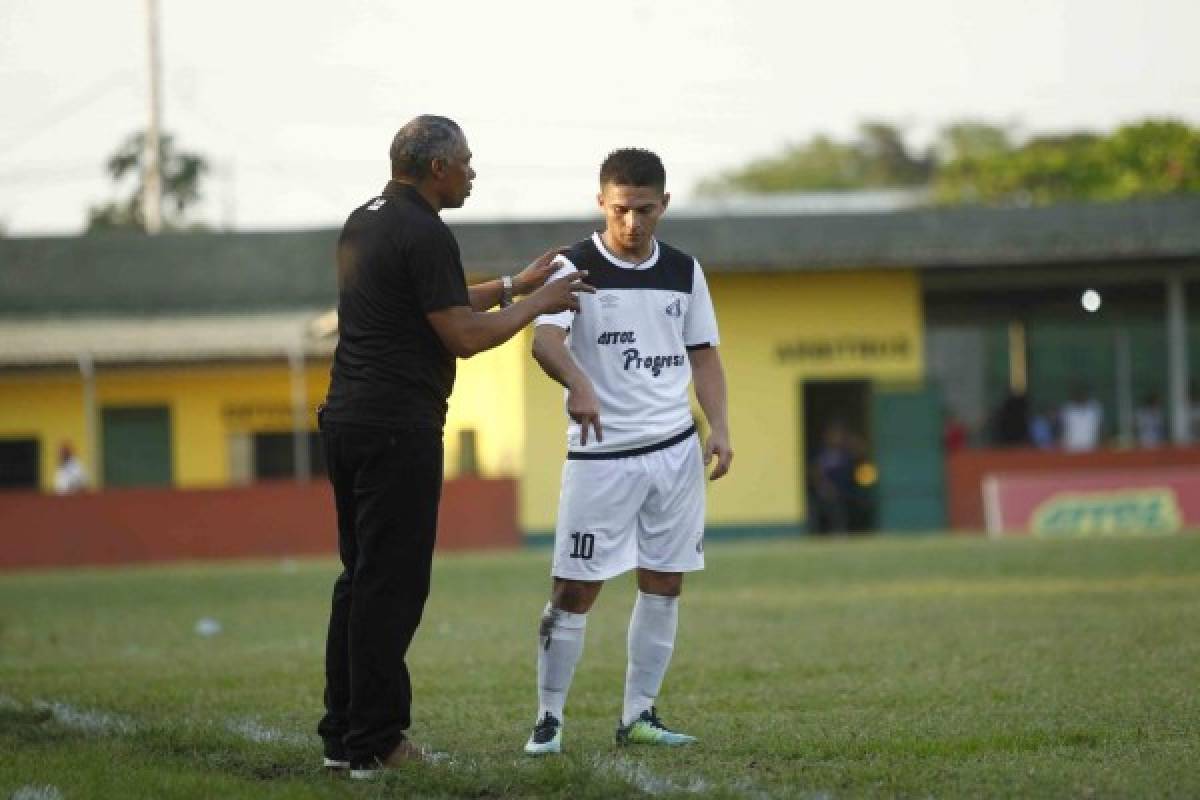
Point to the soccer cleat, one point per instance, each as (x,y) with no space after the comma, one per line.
(649,729)
(336,763)
(546,737)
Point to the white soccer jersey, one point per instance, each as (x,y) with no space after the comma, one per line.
(631,339)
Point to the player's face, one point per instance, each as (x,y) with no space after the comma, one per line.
(631,214)
(454,176)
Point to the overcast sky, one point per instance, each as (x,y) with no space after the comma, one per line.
(295,102)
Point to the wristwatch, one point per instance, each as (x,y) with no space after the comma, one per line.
(506,291)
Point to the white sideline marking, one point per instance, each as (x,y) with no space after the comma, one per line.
(646,781)
(254,731)
(105,722)
(82,719)
(642,779)
(37,792)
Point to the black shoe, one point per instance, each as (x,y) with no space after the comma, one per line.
(405,752)
(546,737)
(335,756)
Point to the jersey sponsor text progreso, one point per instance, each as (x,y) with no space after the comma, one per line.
(631,338)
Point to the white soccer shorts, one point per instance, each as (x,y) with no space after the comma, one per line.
(638,511)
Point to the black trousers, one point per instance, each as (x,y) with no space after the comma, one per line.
(386,486)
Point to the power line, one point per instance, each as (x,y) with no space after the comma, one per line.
(45,174)
(64,111)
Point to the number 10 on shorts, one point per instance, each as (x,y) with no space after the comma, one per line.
(583,545)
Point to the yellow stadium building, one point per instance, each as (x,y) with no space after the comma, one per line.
(196,360)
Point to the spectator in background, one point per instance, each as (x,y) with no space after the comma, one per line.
(1010,426)
(1042,429)
(1149,423)
(832,472)
(70,477)
(954,432)
(1081,418)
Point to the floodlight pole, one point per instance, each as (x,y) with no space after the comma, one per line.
(152,179)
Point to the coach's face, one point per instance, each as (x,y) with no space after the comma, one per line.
(453,176)
(631,213)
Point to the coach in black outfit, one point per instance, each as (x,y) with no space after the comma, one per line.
(404,314)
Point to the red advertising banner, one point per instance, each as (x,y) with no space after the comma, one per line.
(1094,503)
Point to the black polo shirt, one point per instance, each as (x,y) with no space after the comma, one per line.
(396,262)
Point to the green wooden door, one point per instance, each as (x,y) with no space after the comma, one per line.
(907,437)
(137,446)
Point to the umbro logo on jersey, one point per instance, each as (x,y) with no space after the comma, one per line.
(675,309)
(376,204)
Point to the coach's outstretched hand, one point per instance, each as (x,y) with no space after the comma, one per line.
(559,294)
(535,275)
(718,445)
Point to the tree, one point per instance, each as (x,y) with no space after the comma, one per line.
(182,173)
(978,162)
(1145,159)
(886,159)
(971,139)
(1154,157)
(878,158)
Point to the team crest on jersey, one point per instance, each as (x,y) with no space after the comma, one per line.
(675,309)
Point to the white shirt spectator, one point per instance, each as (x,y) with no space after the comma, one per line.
(1081,422)
(70,478)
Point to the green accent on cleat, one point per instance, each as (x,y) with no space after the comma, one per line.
(649,729)
(546,738)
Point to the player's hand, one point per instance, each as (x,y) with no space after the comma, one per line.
(584,408)
(560,293)
(718,445)
(535,275)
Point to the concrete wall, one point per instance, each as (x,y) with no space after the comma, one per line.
(270,519)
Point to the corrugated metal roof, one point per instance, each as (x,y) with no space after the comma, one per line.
(242,272)
(59,341)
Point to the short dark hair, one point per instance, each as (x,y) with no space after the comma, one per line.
(420,141)
(633,166)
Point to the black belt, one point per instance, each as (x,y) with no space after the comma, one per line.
(637,451)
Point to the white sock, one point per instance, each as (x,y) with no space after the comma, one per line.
(560,642)
(651,640)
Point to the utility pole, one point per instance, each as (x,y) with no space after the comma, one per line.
(229,195)
(152,180)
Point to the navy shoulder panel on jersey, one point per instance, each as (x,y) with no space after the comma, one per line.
(673,272)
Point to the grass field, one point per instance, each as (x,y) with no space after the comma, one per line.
(926,667)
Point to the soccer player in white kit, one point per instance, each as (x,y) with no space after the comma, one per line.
(633,484)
